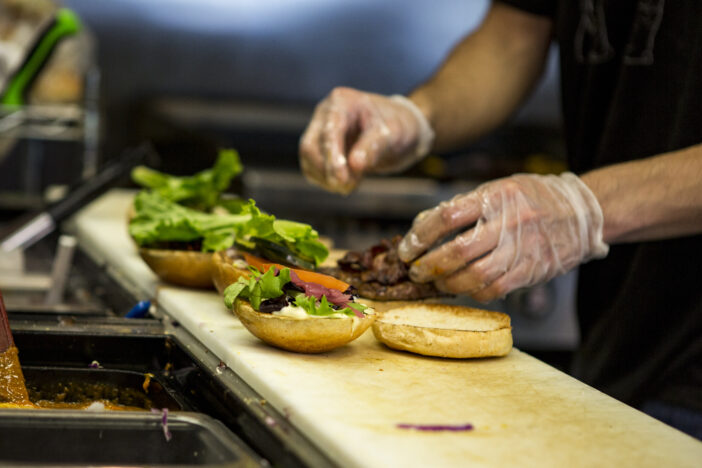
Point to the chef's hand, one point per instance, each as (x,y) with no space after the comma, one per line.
(352,133)
(512,232)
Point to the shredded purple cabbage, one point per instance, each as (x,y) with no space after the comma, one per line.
(164,422)
(436,427)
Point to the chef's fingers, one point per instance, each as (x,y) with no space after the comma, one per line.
(516,278)
(480,273)
(310,151)
(323,144)
(455,254)
(357,133)
(466,281)
(338,123)
(385,136)
(367,150)
(432,225)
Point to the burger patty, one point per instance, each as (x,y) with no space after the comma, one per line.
(378,273)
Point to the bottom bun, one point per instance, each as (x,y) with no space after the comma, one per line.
(224,273)
(445,331)
(312,335)
(181,267)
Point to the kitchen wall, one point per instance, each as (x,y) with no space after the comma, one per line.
(276,51)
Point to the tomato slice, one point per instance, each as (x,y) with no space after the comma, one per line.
(305,275)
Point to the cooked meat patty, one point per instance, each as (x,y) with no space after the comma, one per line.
(378,273)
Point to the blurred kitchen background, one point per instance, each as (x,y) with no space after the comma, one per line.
(192,76)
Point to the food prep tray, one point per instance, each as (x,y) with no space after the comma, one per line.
(185,378)
(79,438)
(126,388)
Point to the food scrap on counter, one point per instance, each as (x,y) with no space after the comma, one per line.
(436,427)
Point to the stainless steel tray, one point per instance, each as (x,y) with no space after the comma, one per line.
(80,438)
(187,377)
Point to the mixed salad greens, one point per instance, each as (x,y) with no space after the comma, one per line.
(271,291)
(176,209)
(201,191)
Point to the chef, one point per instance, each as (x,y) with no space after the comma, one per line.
(629,214)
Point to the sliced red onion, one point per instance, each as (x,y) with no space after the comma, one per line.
(356,312)
(334,296)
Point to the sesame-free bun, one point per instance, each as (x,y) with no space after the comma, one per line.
(448,331)
(310,335)
(224,272)
(382,306)
(182,267)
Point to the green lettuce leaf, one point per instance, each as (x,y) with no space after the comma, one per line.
(301,238)
(235,205)
(314,307)
(158,219)
(214,241)
(233,291)
(292,230)
(177,209)
(202,190)
(272,285)
(311,248)
(161,220)
(322,307)
(259,287)
(261,224)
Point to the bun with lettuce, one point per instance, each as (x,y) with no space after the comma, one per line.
(297,310)
(178,222)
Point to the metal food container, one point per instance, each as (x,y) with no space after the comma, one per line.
(127,388)
(79,438)
(214,417)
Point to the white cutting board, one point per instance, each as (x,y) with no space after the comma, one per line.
(349,401)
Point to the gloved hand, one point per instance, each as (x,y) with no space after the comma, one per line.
(352,133)
(515,232)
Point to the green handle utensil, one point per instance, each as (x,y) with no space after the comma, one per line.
(65,23)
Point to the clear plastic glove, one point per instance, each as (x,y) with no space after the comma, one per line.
(512,232)
(353,133)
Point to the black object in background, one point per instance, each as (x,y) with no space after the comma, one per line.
(35,226)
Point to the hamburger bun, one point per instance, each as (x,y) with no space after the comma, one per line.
(182,267)
(448,331)
(310,335)
(381,307)
(224,272)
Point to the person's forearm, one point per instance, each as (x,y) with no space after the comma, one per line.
(485,77)
(654,198)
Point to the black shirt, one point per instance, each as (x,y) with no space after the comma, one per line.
(631,75)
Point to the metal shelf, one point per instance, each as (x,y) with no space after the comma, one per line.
(37,127)
(63,122)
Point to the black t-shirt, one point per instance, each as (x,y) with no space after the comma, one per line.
(631,75)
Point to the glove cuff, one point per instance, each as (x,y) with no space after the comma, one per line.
(426,133)
(593,223)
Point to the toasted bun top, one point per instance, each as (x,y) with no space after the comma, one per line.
(445,331)
(447,317)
